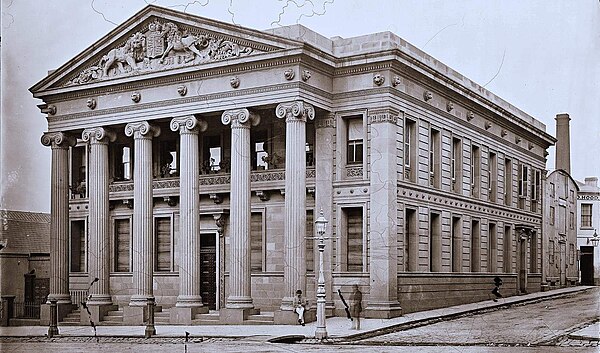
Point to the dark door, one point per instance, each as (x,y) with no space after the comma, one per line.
(587,265)
(208,270)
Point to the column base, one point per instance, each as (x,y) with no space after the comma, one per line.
(239,303)
(382,310)
(99,299)
(62,311)
(140,300)
(185,315)
(236,316)
(189,301)
(97,313)
(289,317)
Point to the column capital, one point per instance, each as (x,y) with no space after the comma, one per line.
(141,130)
(296,110)
(98,135)
(188,125)
(239,117)
(58,140)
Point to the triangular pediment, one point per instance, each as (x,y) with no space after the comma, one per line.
(157,39)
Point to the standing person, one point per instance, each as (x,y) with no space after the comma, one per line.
(299,306)
(495,291)
(356,306)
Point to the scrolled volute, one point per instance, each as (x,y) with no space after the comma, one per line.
(238,117)
(297,110)
(58,139)
(141,129)
(188,124)
(98,134)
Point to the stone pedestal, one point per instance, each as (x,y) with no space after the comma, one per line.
(185,315)
(62,310)
(236,316)
(59,216)
(383,296)
(189,220)
(97,313)
(295,115)
(143,255)
(287,317)
(99,216)
(239,269)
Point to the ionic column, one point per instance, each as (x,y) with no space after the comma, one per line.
(189,207)
(325,137)
(143,255)
(59,215)
(239,269)
(99,218)
(295,114)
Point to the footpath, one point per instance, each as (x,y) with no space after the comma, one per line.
(338,328)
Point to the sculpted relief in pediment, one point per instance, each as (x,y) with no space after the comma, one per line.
(163,45)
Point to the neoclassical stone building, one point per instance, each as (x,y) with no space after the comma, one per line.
(190,158)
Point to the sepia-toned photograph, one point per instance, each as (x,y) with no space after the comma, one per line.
(300,176)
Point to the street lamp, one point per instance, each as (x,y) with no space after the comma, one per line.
(595,240)
(321,225)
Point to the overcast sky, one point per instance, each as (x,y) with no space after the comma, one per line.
(541,56)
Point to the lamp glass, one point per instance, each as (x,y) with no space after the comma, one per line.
(321,223)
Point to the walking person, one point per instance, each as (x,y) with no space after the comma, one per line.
(355,306)
(496,290)
(299,306)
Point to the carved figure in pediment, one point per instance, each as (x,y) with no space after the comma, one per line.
(178,41)
(131,53)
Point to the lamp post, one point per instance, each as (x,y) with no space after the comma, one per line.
(321,331)
(595,240)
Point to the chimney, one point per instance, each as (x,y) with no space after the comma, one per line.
(563,145)
(591,181)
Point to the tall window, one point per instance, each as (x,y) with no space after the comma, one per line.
(493,176)
(456,243)
(410,144)
(162,244)
(310,242)
(552,216)
(122,241)
(355,137)
(354,237)
(507,251)
(435,243)
(493,246)
(508,173)
(411,241)
(169,158)
(552,190)
(259,145)
(456,165)
(78,246)
(78,171)
(571,254)
(523,184)
(256,242)
(551,251)
(533,262)
(435,153)
(586,215)
(122,156)
(475,170)
(535,189)
(475,246)
(211,154)
(571,220)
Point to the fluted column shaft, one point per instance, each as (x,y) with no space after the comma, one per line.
(59,216)
(99,217)
(189,216)
(295,114)
(143,240)
(239,269)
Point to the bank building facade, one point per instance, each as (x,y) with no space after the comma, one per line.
(191,157)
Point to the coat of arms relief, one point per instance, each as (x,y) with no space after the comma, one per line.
(162,46)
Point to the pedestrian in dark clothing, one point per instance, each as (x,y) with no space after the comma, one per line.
(355,306)
(496,290)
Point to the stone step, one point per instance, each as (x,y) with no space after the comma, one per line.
(114,313)
(208,317)
(264,317)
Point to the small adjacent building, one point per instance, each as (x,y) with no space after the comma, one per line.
(24,264)
(190,158)
(588,227)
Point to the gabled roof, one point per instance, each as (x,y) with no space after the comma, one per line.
(158,39)
(25,232)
